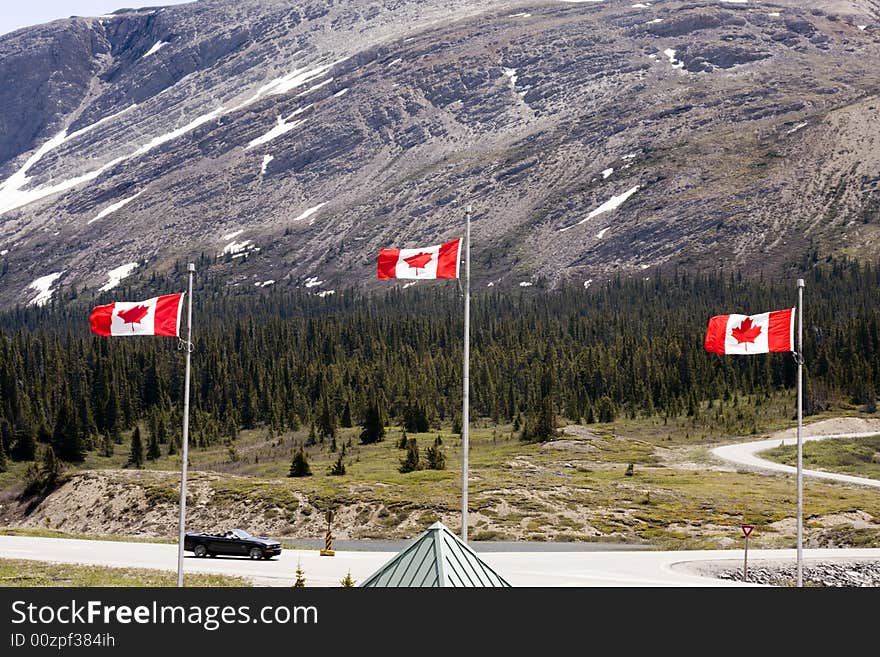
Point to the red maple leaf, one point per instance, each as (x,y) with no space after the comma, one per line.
(419,260)
(133,315)
(746,332)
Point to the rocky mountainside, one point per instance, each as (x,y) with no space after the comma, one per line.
(288,142)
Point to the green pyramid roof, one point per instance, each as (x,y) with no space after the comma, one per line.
(436,558)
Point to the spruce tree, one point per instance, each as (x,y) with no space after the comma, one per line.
(50,468)
(326,422)
(107,445)
(153,451)
(338,467)
(2,458)
(299,466)
(66,437)
(300,576)
(136,454)
(434,458)
(410,461)
(607,410)
(6,435)
(415,418)
(346,415)
(25,448)
(373,427)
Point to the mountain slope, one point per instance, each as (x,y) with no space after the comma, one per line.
(293,142)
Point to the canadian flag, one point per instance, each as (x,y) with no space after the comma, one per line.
(156,316)
(439,261)
(751,334)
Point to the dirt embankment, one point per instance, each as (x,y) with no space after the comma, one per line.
(146,504)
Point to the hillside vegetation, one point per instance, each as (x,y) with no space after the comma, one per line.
(621,365)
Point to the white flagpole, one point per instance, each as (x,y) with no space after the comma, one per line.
(464,412)
(191,268)
(800,452)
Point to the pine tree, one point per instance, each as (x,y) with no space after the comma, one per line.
(50,468)
(373,427)
(299,466)
(136,454)
(107,446)
(153,451)
(338,467)
(300,576)
(410,462)
(66,437)
(542,427)
(434,458)
(607,409)
(415,418)
(401,444)
(347,582)
(591,419)
(6,435)
(346,415)
(2,458)
(326,422)
(25,448)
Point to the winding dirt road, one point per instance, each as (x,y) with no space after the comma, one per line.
(746,454)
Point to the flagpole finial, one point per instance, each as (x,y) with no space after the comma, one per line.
(191,267)
(800,282)
(469,208)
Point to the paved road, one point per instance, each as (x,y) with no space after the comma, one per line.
(745,455)
(616,568)
(383,545)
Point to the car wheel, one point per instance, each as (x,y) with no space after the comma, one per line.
(256,553)
(200,550)
(212,555)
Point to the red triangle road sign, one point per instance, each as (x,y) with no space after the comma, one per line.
(747,529)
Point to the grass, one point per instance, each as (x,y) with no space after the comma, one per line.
(852,456)
(26,573)
(52,533)
(522,490)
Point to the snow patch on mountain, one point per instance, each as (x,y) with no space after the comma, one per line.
(114,207)
(280,128)
(669,52)
(116,275)
(156,47)
(611,204)
(43,285)
(237,247)
(308,213)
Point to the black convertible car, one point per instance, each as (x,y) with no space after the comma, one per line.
(235,542)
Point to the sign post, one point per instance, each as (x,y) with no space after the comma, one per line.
(746,529)
(328,539)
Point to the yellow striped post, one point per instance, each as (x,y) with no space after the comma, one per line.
(328,538)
